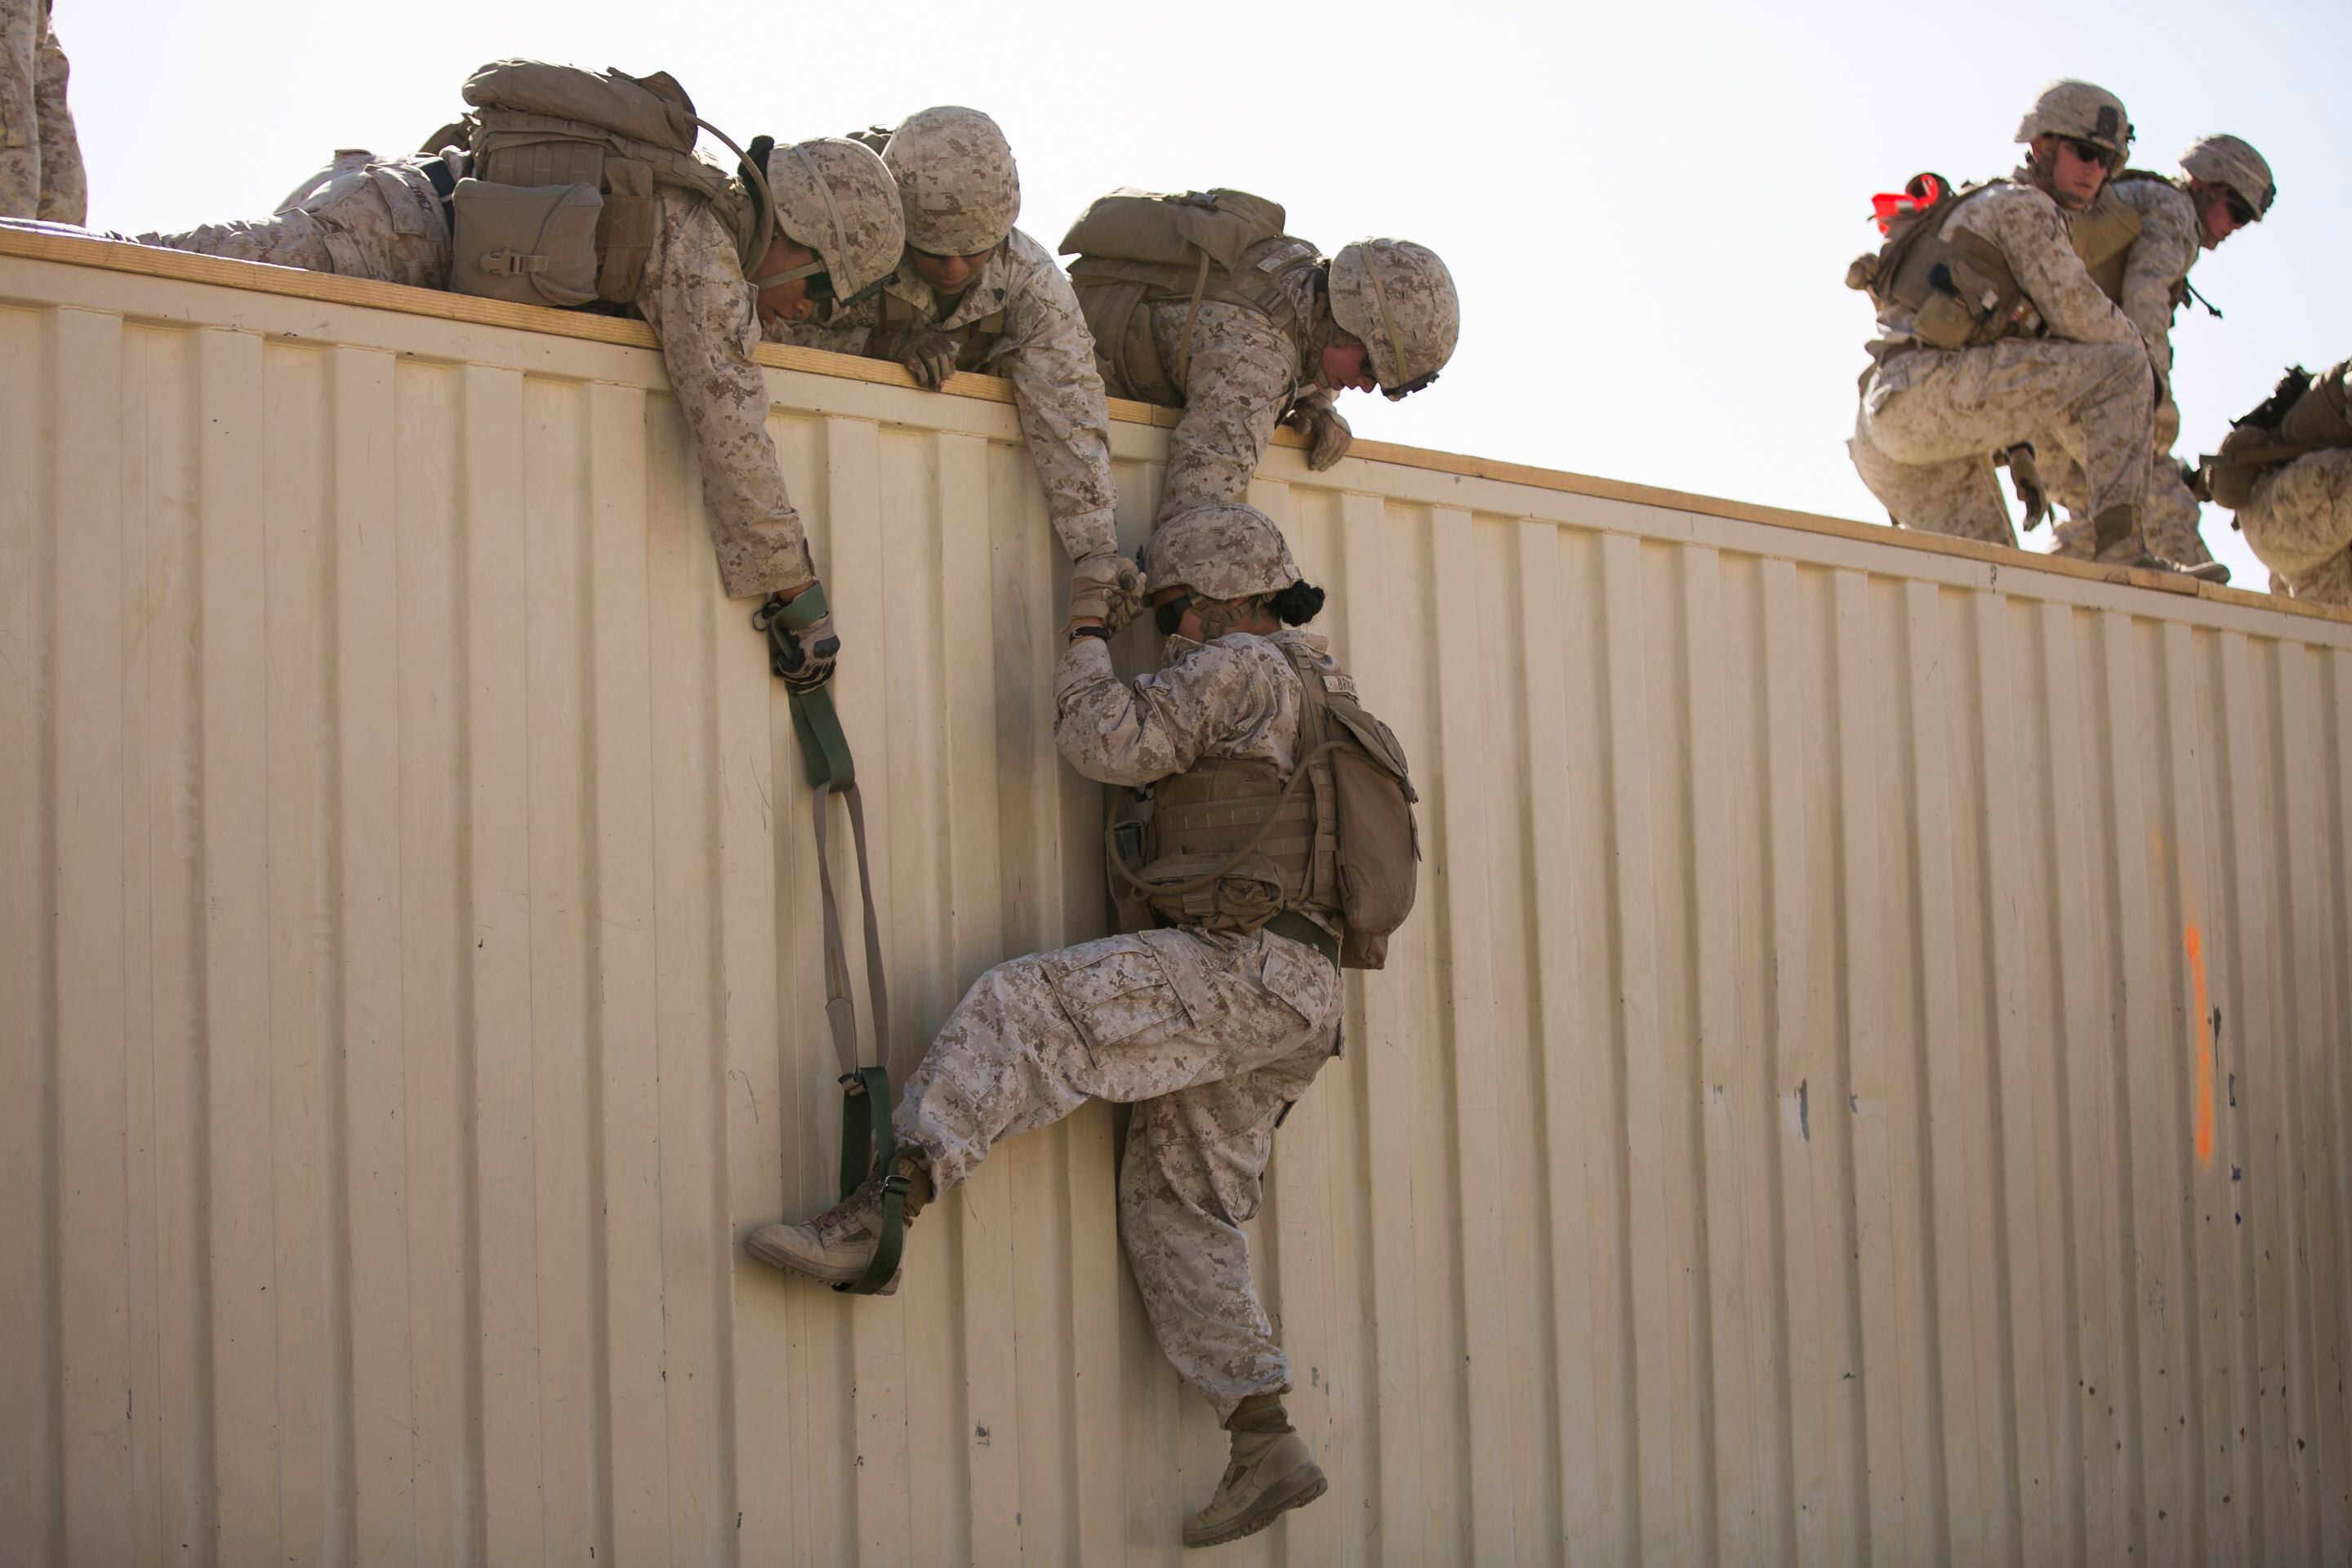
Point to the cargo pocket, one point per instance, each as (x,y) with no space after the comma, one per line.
(1301,978)
(1117,993)
(530,245)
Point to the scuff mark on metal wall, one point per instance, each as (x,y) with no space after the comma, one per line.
(405,1004)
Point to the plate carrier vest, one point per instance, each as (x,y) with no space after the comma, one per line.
(1230,847)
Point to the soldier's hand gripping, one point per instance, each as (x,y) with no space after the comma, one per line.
(2027,480)
(1327,435)
(803,646)
(1107,587)
(929,354)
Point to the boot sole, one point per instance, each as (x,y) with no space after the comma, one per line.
(791,1265)
(1296,1490)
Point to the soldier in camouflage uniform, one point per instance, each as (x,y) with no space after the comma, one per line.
(2287,469)
(1210,1034)
(837,212)
(40,157)
(1381,315)
(974,293)
(2299,522)
(2056,356)
(2224,184)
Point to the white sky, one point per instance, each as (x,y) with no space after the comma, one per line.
(1649,211)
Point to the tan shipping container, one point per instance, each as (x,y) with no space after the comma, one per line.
(1866,1082)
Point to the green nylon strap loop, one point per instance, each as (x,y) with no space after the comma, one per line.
(824,750)
(867,1144)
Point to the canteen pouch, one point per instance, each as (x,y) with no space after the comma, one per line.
(528,245)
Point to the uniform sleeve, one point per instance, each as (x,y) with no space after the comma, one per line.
(1058,396)
(1237,383)
(2159,259)
(65,191)
(1124,733)
(698,303)
(2033,236)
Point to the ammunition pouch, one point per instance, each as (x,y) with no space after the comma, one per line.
(529,244)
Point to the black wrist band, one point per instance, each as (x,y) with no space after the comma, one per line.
(1102,632)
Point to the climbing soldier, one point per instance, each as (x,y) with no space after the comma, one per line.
(1991,330)
(2287,469)
(1201,302)
(1214,1020)
(40,157)
(974,293)
(582,189)
(2158,226)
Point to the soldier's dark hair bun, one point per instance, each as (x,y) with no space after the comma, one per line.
(1297,604)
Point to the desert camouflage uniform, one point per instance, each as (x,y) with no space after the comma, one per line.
(1930,419)
(2298,520)
(2159,261)
(40,157)
(1044,351)
(1245,370)
(380,218)
(1210,1035)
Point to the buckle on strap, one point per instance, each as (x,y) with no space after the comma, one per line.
(511,263)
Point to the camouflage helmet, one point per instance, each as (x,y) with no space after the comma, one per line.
(2227,161)
(2084,111)
(1398,300)
(836,197)
(956,179)
(1219,550)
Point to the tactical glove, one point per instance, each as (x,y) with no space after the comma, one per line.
(1327,435)
(2027,478)
(1107,587)
(802,647)
(927,353)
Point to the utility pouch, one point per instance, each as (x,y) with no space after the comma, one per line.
(1243,899)
(529,244)
(1943,322)
(1129,910)
(2230,484)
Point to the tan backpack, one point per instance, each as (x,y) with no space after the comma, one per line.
(1136,248)
(566,165)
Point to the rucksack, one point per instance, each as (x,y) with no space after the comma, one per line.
(562,203)
(1136,248)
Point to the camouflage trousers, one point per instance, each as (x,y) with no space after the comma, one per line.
(358,218)
(1930,421)
(2298,520)
(40,155)
(2169,517)
(1211,1037)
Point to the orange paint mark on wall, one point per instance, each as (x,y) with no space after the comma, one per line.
(2189,939)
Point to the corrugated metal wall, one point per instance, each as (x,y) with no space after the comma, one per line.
(1865,1084)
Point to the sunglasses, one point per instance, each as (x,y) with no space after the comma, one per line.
(1170,616)
(2086,151)
(1408,388)
(2240,212)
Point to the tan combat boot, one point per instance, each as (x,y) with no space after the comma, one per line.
(1271,1472)
(837,1245)
(2116,542)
